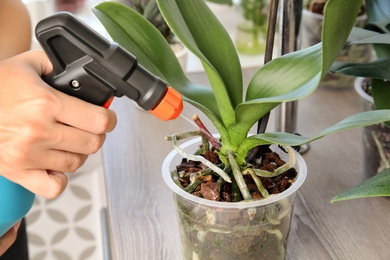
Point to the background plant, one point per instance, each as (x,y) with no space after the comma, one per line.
(149,10)
(288,78)
(377,33)
(255,11)
(315,6)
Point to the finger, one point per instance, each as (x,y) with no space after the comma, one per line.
(70,139)
(84,115)
(46,183)
(59,161)
(8,238)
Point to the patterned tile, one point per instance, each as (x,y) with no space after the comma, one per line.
(69,227)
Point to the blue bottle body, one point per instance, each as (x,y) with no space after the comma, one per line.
(15,203)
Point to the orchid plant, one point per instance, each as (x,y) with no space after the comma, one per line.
(233,112)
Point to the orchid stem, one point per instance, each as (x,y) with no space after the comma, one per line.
(238,177)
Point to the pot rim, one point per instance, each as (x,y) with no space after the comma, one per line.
(360,91)
(300,166)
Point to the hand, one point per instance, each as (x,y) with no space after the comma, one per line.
(44,132)
(8,238)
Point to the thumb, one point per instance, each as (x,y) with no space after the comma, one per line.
(37,60)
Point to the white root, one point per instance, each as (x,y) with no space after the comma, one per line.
(201,159)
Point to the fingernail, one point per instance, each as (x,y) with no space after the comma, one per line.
(17,225)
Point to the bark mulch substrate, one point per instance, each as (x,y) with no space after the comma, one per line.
(212,188)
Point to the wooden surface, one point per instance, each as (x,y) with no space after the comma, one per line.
(142,220)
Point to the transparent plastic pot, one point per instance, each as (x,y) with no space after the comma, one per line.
(239,230)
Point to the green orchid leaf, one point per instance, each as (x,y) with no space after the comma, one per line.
(380,42)
(285,74)
(377,186)
(378,38)
(202,34)
(278,81)
(355,121)
(133,32)
(334,36)
(358,34)
(137,35)
(376,69)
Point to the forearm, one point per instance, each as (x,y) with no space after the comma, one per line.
(15,28)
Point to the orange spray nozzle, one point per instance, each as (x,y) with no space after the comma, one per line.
(170,105)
